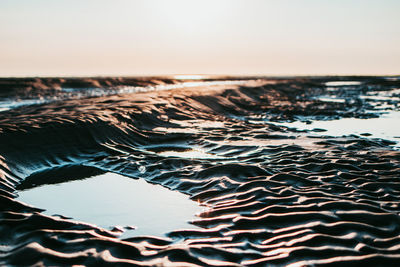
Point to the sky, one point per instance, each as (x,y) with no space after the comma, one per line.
(162,37)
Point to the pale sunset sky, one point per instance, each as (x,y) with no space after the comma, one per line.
(157,37)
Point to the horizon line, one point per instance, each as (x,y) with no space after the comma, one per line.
(199,75)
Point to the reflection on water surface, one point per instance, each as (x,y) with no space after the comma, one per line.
(110,199)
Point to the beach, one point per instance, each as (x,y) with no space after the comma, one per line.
(290,171)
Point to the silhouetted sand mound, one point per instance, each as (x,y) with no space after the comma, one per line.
(277,194)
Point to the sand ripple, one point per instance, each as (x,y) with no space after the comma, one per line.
(276,195)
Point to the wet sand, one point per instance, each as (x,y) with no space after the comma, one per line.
(277,193)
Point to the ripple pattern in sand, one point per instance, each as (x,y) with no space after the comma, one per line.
(275,195)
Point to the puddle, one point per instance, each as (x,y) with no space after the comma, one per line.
(191,126)
(380,98)
(189,154)
(110,200)
(396,78)
(342,83)
(386,127)
(331,99)
(11,104)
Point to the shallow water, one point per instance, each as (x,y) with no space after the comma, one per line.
(387,126)
(189,154)
(111,200)
(10,104)
(342,83)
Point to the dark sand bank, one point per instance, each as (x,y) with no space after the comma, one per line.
(277,195)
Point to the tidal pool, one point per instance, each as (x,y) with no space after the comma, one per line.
(386,126)
(109,200)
